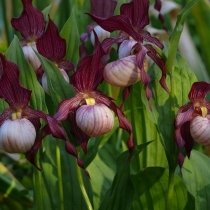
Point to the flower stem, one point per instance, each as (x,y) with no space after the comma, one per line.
(37,183)
(170,189)
(81,183)
(60,182)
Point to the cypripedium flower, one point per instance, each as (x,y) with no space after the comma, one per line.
(192,122)
(20,123)
(89,110)
(132,39)
(31,25)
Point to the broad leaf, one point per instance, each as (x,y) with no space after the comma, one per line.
(151,186)
(196,173)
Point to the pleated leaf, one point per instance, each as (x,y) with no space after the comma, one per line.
(151,187)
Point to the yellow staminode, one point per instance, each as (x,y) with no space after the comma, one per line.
(16,115)
(204,111)
(31,43)
(90,101)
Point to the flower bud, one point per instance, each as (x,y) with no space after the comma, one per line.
(125,48)
(101,33)
(17,136)
(200,130)
(31,56)
(94,120)
(123,72)
(44,80)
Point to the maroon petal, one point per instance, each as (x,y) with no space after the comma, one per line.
(199,91)
(160,62)
(118,22)
(66,65)
(137,12)
(89,74)
(6,114)
(189,142)
(81,137)
(185,114)
(10,87)
(126,93)
(147,37)
(66,106)
(51,45)
(123,121)
(140,56)
(103,8)
(84,37)
(30,23)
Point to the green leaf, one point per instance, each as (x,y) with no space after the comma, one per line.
(27,75)
(102,170)
(120,195)
(162,107)
(196,173)
(46,12)
(58,87)
(54,190)
(70,33)
(151,185)
(11,188)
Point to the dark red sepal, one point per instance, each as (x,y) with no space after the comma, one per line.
(51,45)
(10,87)
(103,8)
(30,23)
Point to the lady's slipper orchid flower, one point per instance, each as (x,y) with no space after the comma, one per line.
(193,122)
(53,47)
(20,123)
(31,25)
(89,110)
(103,9)
(131,22)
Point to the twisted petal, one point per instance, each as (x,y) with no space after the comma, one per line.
(160,62)
(199,91)
(30,23)
(6,114)
(51,45)
(66,106)
(103,8)
(66,65)
(10,87)
(123,121)
(144,76)
(137,12)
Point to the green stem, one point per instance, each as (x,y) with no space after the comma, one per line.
(60,182)
(81,183)
(5,21)
(170,189)
(37,183)
(133,121)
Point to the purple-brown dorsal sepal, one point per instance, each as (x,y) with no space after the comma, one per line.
(137,12)
(140,56)
(90,71)
(161,64)
(51,45)
(10,87)
(118,22)
(199,91)
(30,23)
(103,8)
(81,137)
(123,121)
(189,142)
